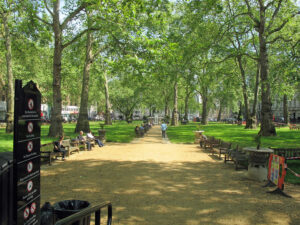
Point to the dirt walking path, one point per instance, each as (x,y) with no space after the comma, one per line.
(151,181)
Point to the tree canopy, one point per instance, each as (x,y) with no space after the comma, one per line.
(153,55)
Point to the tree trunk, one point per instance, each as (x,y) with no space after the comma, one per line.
(240,112)
(175,111)
(252,119)
(10,86)
(220,112)
(107,102)
(83,122)
(245,95)
(186,106)
(267,127)
(285,109)
(128,117)
(166,109)
(56,128)
(204,109)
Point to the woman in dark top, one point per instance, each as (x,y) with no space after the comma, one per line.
(58,147)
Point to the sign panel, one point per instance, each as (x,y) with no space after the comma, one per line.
(28,169)
(27,130)
(277,171)
(28,190)
(28,149)
(29,214)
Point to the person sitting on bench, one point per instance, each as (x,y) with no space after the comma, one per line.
(91,136)
(137,132)
(83,140)
(58,147)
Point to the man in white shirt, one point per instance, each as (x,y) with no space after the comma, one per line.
(91,136)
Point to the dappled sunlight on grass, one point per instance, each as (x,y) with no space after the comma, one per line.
(235,134)
(118,132)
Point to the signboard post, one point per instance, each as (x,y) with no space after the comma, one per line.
(26,154)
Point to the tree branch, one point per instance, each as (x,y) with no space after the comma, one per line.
(274,14)
(283,24)
(72,15)
(42,20)
(223,60)
(75,38)
(270,3)
(277,38)
(254,45)
(250,13)
(49,11)
(251,57)
(78,36)
(99,50)
(278,28)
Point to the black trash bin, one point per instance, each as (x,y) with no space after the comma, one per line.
(66,208)
(6,188)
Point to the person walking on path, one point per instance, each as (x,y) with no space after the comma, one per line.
(163,129)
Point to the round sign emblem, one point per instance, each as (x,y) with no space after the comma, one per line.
(29,186)
(29,146)
(30,127)
(33,208)
(26,213)
(29,167)
(30,104)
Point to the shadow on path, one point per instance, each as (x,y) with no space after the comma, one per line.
(152,183)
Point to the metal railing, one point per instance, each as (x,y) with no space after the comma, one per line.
(82,215)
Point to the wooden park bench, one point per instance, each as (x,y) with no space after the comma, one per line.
(184,122)
(224,148)
(48,154)
(137,133)
(211,144)
(82,144)
(92,141)
(69,147)
(237,156)
(278,125)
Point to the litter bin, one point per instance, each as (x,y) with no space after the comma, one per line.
(66,208)
(6,188)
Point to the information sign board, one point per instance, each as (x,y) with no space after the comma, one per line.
(27,129)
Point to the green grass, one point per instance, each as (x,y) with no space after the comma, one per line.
(118,132)
(237,135)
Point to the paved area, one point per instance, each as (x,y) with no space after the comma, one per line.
(151,181)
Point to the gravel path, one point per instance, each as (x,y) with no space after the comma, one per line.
(151,181)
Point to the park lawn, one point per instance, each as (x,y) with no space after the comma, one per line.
(243,137)
(235,134)
(120,131)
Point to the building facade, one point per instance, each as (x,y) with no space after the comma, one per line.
(2,111)
(293,108)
